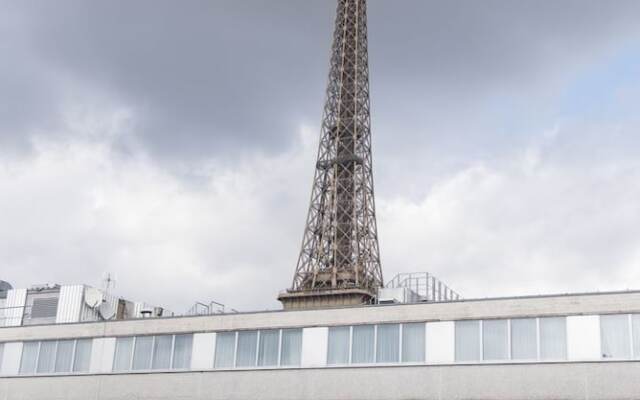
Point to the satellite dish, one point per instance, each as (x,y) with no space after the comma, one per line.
(5,286)
(93,297)
(106,311)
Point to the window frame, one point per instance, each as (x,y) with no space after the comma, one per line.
(630,338)
(54,358)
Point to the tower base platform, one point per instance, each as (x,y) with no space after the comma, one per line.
(301,300)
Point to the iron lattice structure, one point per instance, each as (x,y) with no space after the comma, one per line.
(340,242)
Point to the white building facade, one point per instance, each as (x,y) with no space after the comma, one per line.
(583,346)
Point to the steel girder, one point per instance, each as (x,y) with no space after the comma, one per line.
(340,243)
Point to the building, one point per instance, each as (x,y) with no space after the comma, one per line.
(59,304)
(341,335)
(579,346)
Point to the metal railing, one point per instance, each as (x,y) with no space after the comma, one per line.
(212,308)
(426,286)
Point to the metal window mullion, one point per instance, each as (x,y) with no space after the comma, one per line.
(73,355)
(153,347)
(481,340)
(173,347)
(509,355)
(630,328)
(375,343)
(235,350)
(566,340)
(280,333)
(350,344)
(255,364)
(400,340)
(538,341)
(53,358)
(35,369)
(132,352)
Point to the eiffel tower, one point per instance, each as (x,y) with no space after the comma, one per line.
(339,263)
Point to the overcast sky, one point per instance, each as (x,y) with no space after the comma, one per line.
(172,143)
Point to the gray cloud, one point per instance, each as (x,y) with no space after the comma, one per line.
(165,136)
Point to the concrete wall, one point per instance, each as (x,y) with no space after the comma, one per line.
(616,380)
(443,379)
(587,304)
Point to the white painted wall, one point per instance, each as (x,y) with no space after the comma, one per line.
(203,351)
(102,352)
(441,347)
(583,337)
(69,304)
(11,359)
(314,347)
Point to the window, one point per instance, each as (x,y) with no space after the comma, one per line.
(269,343)
(1,351)
(64,356)
(615,336)
(494,340)
(182,348)
(162,352)
(142,352)
(265,348)
(553,338)
(247,346)
(29,357)
(46,357)
(44,308)
(362,347)
(122,358)
(55,356)
(635,322)
(467,340)
(388,343)
(225,349)
(291,347)
(524,339)
(413,342)
(338,347)
(82,357)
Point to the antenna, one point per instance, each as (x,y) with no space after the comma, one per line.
(108,282)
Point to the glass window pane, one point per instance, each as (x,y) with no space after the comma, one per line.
(524,343)
(142,352)
(268,353)
(46,356)
(495,342)
(635,320)
(1,345)
(614,333)
(29,357)
(247,343)
(338,346)
(124,349)
(388,343)
(413,342)
(467,340)
(225,349)
(162,352)
(362,349)
(291,347)
(64,355)
(553,338)
(82,359)
(182,351)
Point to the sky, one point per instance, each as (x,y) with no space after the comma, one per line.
(172,144)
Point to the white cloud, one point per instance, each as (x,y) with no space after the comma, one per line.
(77,208)
(526,224)
(522,227)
